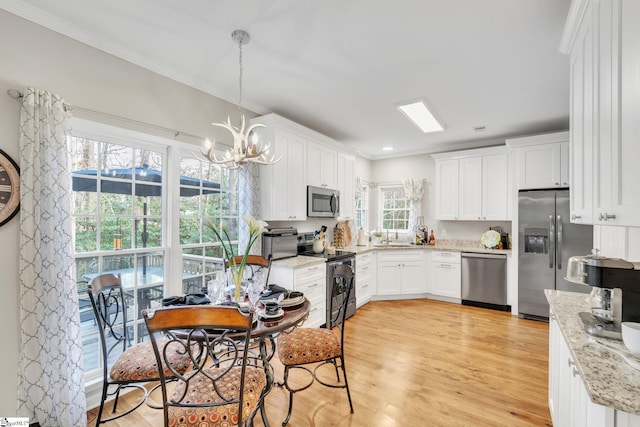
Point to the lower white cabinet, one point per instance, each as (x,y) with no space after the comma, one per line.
(310,280)
(445,275)
(569,402)
(366,276)
(401,272)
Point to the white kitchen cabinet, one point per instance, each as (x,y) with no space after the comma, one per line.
(447,178)
(542,160)
(346,185)
(445,279)
(569,401)
(603,44)
(401,272)
(283,193)
(470,189)
(322,164)
(366,276)
(473,185)
(310,280)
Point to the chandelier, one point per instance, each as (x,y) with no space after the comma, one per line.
(246,148)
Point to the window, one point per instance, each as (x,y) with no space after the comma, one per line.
(362,202)
(139,205)
(395,208)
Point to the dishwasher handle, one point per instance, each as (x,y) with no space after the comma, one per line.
(481,255)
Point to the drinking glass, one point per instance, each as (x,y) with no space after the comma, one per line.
(255,288)
(215,287)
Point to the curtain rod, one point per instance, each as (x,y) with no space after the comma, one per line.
(16,94)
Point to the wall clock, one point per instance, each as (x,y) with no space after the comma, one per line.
(9,188)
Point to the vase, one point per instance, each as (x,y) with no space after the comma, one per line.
(235,275)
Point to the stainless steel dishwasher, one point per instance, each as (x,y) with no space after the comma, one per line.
(484,280)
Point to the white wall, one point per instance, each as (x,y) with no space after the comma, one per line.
(85,77)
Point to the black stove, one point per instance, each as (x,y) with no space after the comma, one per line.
(340,254)
(305,247)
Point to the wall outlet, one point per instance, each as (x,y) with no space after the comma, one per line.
(443,232)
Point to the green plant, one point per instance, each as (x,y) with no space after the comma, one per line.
(256,228)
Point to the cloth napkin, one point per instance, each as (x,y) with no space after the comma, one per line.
(278,293)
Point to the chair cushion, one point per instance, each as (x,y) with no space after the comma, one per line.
(138,363)
(201,390)
(308,345)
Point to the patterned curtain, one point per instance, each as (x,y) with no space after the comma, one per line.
(50,373)
(248,203)
(414,190)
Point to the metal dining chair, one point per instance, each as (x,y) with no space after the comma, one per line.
(226,384)
(321,346)
(124,365)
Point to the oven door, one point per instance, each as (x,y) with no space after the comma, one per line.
(322,202)
(351,307)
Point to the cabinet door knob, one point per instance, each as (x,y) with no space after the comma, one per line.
(557,183)
(574,216)
(606,216)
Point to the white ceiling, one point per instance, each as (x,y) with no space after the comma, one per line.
(339,67)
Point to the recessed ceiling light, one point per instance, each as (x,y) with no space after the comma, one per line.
(420,115)
(387,148)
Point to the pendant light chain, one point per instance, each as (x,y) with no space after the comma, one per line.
(240,79)
(243,151)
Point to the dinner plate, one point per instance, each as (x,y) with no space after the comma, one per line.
(264,316)
(292,302)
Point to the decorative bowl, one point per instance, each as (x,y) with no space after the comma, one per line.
(631,336)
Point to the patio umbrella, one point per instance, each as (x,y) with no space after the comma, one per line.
(85,180)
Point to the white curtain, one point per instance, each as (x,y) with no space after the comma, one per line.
(248,203)
(50,371)
(414,190)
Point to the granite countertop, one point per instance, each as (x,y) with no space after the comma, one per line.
(607,378)
(443,245)
(455,245)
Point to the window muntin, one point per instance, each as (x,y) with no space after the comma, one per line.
(395,208)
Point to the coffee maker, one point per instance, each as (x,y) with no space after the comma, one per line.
(614,297)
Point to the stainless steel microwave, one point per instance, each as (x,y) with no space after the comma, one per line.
(322,202)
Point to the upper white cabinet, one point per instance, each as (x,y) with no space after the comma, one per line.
(447,179)
(322,163)
(603,43)
(346,185)
(282,191)
(308,158)
(542,160)
(473,185)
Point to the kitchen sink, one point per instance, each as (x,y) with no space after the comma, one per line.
(393,245)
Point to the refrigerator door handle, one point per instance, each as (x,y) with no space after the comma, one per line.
(559,247)
(552,243)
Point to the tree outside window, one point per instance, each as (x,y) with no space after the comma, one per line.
(124,216)
(395,208)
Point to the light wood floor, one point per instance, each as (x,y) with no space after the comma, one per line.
(422,363)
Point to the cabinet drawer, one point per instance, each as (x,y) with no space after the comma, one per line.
(365,269)
(364,258)
(311,273)
(446,256)
(312,290)
(400,256)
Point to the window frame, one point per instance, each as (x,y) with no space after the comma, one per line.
(381,210)
(170,245)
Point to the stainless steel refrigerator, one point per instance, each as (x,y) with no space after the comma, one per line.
(546,241)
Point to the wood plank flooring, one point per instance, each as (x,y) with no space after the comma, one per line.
(421,363)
